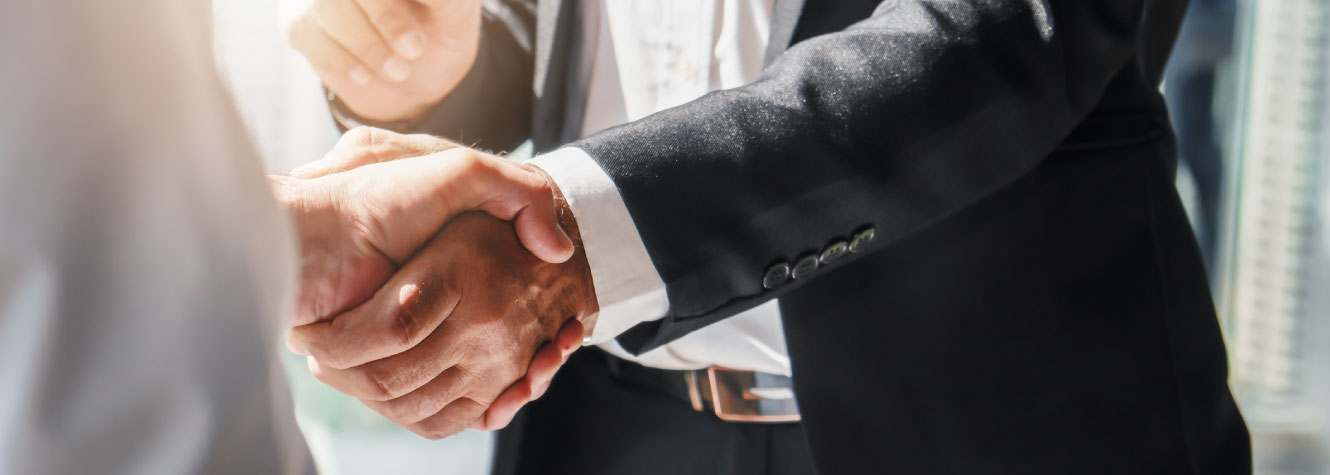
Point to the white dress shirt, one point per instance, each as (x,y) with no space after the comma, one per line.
(648,56)
(143,263)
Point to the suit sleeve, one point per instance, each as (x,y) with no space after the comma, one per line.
(894,123)
(491,107)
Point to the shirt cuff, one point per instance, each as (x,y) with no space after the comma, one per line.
(627,286)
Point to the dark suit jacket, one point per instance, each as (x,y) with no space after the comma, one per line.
(1033,302)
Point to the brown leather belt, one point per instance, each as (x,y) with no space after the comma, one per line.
(732,395)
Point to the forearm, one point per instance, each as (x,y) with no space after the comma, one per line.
(823,146)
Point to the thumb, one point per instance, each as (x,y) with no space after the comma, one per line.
(538,229)
(537,209)
(428,191)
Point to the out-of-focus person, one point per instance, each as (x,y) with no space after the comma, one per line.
(144,266)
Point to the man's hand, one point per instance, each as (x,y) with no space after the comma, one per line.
(387,60)
(362,211)
(339,201)
(455,327)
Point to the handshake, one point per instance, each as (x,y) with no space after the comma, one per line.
(439,285)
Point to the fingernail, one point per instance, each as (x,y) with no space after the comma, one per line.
(360,76)
(396,69)
(411,45)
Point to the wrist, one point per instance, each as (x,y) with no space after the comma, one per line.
(587,305)
(396,118)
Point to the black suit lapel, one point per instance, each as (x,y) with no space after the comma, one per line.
(784,17)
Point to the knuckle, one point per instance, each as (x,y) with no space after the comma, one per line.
(381,384)
(442,428)
(426,432)
(454,356)
(329,354)
(400,412)
(431,429)
(359,136)
(331,359)
(469,161)
(464,411)
(423,144)
(405,326)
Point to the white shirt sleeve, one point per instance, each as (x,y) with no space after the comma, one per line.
(627,285)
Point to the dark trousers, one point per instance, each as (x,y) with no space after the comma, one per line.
(591,422)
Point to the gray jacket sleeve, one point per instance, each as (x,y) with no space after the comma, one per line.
(143,263)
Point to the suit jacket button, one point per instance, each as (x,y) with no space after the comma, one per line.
(776,276)
(861,240)
(804,267)
(834,252)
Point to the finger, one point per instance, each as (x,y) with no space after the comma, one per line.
(552,356)
(326,287)
(401,314)
(398,375)
(569,340)
(296,346)
(505,407)
(368,145)
(501,412)
(570,337)
(426,401)
(439,186)
(451,420)
(338,68)
(544,365)
(537,224)
(396,21)
(346,23)
(529,388)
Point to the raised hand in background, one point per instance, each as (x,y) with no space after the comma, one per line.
(388,60)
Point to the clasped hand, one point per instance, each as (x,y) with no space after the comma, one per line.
(441,286)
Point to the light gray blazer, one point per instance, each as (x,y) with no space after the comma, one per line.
(143,263)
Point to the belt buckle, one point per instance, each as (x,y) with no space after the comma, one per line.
(741,396)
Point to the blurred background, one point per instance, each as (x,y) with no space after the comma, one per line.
(1249,91)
